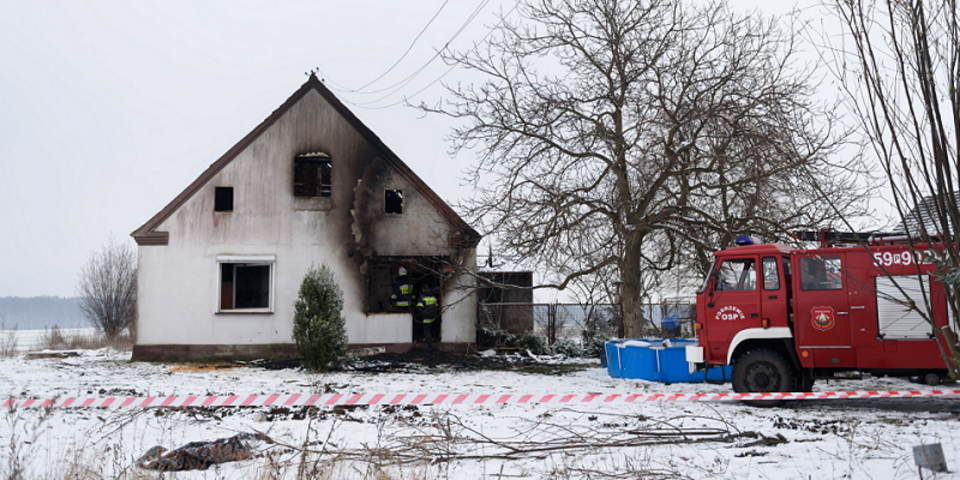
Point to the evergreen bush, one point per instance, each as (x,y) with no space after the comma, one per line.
(567,347)
(593,344)
(596,331)
(534,343)
(319,329)
(493,337)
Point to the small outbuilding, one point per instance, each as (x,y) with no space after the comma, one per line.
(506,301)
(221,265)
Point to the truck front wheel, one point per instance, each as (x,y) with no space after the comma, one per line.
(762,371)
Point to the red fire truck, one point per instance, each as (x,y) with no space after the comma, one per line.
(784,317)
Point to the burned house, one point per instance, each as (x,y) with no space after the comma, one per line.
(220,266)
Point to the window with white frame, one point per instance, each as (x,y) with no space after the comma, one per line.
(246,283)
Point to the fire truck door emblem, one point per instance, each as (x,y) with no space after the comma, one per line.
(730,313)
(823,318)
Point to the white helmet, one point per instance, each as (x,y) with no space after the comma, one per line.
(401,271)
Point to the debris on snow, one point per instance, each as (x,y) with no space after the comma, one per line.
(200,455)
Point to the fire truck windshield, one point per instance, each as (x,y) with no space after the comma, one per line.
(706,280)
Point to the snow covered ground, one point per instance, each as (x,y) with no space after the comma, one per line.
(800,440)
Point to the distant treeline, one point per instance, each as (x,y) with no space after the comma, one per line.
(37,313)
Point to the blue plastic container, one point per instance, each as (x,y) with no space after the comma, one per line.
(611,359)
(657,361)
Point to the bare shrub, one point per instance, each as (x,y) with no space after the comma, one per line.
(27,454)
(54,338)
(108,289)
(8,340)
(23,432)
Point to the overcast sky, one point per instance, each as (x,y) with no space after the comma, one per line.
(109,109)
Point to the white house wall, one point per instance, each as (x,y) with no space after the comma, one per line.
(179,282)
(460,301)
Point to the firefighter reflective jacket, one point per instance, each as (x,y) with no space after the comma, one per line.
(402,291)
(430,308)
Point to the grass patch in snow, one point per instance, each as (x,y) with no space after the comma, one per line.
(552,369)
(8,339)
(203,367)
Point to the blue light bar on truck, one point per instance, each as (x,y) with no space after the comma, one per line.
(745,240)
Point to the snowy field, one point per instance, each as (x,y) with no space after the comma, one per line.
(801,440)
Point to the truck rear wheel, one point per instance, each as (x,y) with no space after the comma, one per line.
(762,371)
(804,380)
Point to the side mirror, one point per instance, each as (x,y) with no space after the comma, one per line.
(710,288)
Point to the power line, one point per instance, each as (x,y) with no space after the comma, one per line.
(405,98)
(396,86)
(424,29)
(404,82)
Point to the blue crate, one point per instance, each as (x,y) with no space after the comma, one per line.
(657,360)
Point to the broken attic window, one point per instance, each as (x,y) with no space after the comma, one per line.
(223,199)
(312,173)
(393,202)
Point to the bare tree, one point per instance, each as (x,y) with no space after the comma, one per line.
(621,139)
(108,289)
(899,62)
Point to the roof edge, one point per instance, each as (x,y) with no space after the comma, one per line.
(223,161)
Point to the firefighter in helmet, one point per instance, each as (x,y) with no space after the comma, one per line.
(402,291)
(429,309)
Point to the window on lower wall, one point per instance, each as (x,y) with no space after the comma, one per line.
(246,284)
(380,286)
(424,273)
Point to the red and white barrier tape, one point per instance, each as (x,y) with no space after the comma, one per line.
(448,399)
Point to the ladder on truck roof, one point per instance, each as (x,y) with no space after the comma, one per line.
(828,237)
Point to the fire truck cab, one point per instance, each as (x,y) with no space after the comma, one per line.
(784,317)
